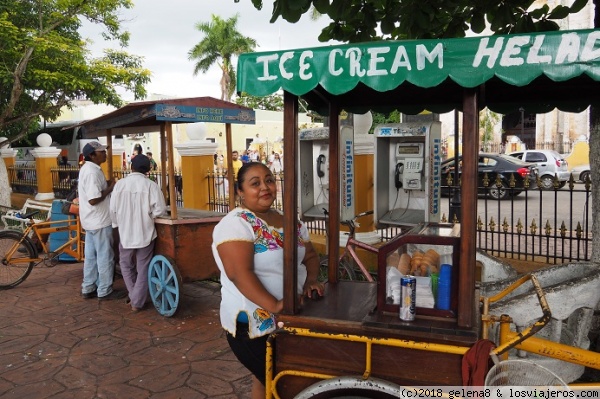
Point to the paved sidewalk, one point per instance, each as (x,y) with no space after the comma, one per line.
(54,344)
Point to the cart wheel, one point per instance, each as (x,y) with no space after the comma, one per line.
(351,387)
(164,282)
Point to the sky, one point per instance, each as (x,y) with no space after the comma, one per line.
(163,32)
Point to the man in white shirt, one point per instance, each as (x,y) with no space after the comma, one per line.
(94,204)
(135,202)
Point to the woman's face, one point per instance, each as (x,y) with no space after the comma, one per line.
(258,189)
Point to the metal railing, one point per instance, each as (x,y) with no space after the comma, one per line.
(23,178)
(551,226)
(218,189)
(548,226)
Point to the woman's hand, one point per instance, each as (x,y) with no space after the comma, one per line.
(313,285)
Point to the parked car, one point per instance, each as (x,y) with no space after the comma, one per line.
(550,165)
(496,165)
(581,173)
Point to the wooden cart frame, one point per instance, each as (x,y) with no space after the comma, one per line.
(537,72)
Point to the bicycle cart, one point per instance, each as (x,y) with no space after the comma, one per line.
(353,336)
(19,253)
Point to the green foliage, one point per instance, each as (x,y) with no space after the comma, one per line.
(358,20)
(487,121)
(220,44)
(381,119)
(46,64)
(274,102)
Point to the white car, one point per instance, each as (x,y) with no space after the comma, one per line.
(550,164)
(581,173)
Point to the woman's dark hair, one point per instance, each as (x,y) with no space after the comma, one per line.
(241,175)
(138,148)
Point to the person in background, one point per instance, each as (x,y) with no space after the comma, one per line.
(94,213)
(236,164)
(135,202)
(276,166)
(153,164)
(137,149)
(248,249)
(245,157)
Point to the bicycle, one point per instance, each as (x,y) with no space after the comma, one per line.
(349,262)
(19,253)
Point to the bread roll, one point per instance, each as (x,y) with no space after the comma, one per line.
(432,257)
(404,264)
(393,259)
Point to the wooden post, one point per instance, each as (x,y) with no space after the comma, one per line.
(468,242)
(333,223)
(230,177)
(171,169)
(290,202)
(163,160)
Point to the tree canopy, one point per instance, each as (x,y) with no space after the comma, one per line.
(46,64)
(222,41)
(359,21)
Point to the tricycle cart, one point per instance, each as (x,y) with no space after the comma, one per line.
(339,335)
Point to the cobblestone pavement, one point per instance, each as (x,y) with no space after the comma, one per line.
(55,344)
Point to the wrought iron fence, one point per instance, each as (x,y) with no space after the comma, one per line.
(23,178)
(550,226)
(64,178)
(218,189)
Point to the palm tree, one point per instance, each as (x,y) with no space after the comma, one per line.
(221,42)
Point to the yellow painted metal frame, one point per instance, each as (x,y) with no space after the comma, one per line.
(271,381)
(525,340)
(508,339)
(73,247)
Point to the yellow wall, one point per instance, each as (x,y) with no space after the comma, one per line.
(580,155)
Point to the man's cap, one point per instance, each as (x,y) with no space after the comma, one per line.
(141,163)
(91,147)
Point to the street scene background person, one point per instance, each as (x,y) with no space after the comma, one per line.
(94,204)
(236,164)
(153,164)
(134,204)
(248,249)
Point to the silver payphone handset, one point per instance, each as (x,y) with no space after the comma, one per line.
(408,173)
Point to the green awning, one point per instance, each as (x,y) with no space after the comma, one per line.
(538,71)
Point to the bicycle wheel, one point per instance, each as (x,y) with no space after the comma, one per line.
(14,272)
(345,271)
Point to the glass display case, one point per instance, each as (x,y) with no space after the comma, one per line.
(421,252)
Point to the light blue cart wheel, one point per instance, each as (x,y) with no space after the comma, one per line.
(164,282)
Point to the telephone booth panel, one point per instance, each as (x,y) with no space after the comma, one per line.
(313,178)
(407,173)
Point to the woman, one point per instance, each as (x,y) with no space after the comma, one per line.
(248,248)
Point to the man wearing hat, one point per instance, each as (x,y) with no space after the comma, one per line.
(94,213)
(134,204)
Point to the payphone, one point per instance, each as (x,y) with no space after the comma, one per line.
(407,173)
(314,182)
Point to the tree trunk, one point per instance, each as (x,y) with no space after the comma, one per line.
(5,189)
